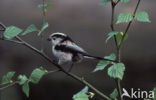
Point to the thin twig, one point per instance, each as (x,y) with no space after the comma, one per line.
(117,2)
(9,85)
(71,67)
(53,71)
(12,41)
(129,24)
(43,21)
(113,4)
(43,11)
(117,81)
(118,47)
(3,26)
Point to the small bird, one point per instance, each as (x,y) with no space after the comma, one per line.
(65,49)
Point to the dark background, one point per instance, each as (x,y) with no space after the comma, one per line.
(87,23)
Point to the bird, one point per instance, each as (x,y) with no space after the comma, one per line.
(66,50)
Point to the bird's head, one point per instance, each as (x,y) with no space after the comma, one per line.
(56,38)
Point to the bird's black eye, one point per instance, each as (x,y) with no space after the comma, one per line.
(54,38)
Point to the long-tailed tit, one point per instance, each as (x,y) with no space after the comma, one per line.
(65,50)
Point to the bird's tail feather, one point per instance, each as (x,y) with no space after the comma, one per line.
(98,58)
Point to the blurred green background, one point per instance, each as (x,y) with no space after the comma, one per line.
(87,23)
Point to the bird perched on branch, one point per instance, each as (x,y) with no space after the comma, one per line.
(65,49)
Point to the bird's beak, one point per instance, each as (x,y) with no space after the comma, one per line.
(48,39)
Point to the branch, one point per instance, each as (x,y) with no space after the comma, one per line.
(81,80)
(9,85)
(118,47)
(3,26)
(113,4)
(129,24)
(43,11)
(11,40)
(53,71)
(43,21)
(61,69)
(117,81)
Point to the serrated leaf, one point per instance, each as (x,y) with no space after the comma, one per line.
(45,5)
(36,75)
(142,17)
(111,56)
(114,94)
(22,79)
(44,26)
(102,64)
(25,88)
(154,90)
(81,95)
(7,78)
(124,17)
(30,29)
(116,70)
(11,32)
(124,1)
(104,2)
(119,37)
(110,35)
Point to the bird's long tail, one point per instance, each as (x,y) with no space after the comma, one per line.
(98,58)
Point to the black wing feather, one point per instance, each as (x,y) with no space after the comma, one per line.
(68,49)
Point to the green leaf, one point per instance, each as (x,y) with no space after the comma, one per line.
(102,64)
(25,88)
(44,26)
(116,70)
(119,37)
(45,5)
(30,29)
(11,32)
(124,1)
(114,94)
(36,75)
(110,35)
(22,79)
(142,17)
(111,57)
(154,90)
(104,2)
(81,95)
(7,78)
(124,17)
